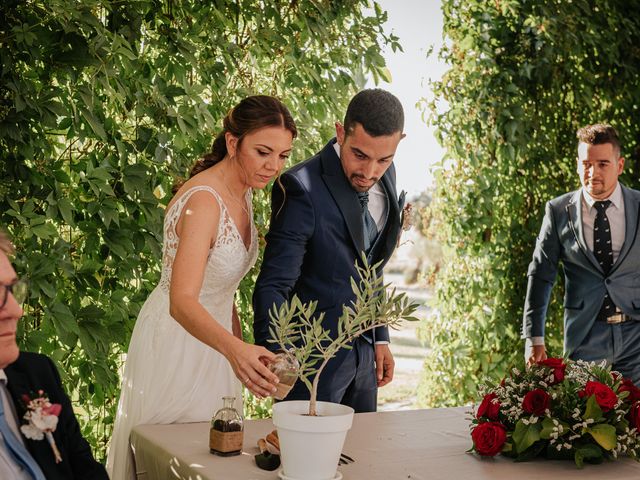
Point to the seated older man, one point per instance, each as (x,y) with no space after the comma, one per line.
(32,456)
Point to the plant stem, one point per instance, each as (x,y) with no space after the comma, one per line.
(314,388)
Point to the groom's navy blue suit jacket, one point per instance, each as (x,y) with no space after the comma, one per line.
(28,374)
(315,237)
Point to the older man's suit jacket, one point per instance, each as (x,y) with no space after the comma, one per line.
(30,373)
(561,239)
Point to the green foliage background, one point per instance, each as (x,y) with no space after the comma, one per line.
(102,104)
(524,75)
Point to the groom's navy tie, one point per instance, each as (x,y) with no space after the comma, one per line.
(15,447)
(603,251)
(370,228)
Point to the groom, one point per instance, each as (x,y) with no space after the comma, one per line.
(23,374)
(330,208)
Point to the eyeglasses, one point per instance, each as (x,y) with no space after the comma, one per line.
(18,289)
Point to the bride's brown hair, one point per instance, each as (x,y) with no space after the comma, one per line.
(251,114)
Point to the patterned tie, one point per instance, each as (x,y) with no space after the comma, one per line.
(370,228)
(603,251)
(15,447)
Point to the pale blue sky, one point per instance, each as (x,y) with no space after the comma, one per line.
(418,24)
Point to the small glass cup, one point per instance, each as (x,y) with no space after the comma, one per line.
(286,367)
(227,427)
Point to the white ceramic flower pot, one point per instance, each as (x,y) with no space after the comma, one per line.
(310,446)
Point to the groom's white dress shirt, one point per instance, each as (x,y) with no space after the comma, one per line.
(9,469)
(615,215)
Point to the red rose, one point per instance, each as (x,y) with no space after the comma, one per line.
(558,366)
(605,397)
(536,402)
(488,438)
(488,408)
(634,415)
(628,386)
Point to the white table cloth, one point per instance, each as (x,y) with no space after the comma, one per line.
(409,445)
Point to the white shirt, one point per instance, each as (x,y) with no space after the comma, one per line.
(8,467)
(615,215)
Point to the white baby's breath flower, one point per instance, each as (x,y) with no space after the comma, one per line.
(44,422)
(31,432)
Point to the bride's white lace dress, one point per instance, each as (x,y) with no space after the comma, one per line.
(170,376)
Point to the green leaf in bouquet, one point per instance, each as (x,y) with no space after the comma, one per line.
(622,425)
(532,452)
(526,435)
(553,453)
(548,427)
(593,410)
(623,394)
(590,453)
(604,434)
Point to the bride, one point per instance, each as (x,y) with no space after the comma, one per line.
(186,351)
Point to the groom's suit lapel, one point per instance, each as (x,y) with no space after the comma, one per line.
(574,211)
(632,218)
(390,229)
(342,193)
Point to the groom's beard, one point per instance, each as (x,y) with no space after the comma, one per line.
(360,183)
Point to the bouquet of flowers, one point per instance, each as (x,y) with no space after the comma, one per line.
(560,409)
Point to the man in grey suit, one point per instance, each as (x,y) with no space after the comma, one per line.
(594,232)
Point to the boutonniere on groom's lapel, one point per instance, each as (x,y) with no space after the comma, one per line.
(406,220)
(42,420)
(406,217)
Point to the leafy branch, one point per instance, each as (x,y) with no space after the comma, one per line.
(296,328)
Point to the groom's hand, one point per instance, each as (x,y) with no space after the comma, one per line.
(384,364)
(538,354)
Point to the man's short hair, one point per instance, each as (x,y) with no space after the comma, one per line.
(5,244)
(598,134)
(378,111)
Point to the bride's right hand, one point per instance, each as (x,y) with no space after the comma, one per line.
(248,363)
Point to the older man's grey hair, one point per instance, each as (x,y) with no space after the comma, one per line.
(5,243)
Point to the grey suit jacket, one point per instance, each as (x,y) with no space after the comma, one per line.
(561,239)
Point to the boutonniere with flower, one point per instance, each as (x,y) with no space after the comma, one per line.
(42,420)
(407,217)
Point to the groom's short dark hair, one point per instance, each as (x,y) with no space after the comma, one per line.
(378,111)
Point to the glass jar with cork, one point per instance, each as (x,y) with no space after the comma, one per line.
(286,367)
(227,428)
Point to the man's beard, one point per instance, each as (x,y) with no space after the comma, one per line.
(361,188)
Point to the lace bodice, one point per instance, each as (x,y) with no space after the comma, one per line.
(228,261)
